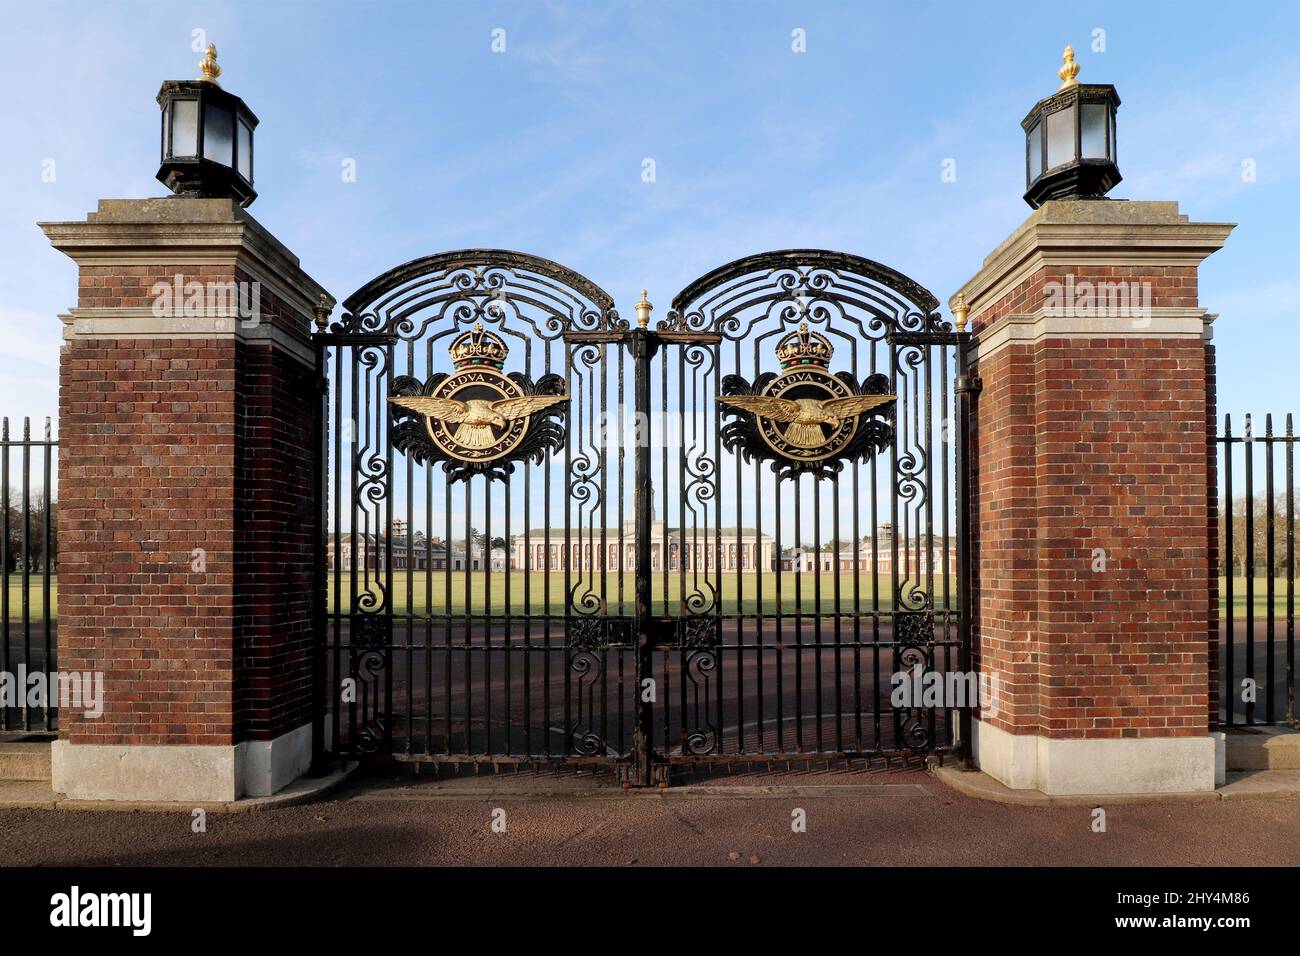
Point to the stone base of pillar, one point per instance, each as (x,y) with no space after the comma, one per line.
(1069,766)
(183,773)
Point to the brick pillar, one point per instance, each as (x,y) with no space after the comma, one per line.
(1094,536)
(186,515)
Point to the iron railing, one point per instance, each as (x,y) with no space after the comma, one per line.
(1257,616)
(28,545)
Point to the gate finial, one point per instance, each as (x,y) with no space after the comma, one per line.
(960,310)
(208,65)
(1069,70)
(643,311)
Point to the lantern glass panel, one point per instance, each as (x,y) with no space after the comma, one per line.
(1035,151)
(184,128)
(1113,152)
(244,150)
(1095,123)
(1060,137)
(218,135)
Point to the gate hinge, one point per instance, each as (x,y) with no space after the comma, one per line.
(969,383)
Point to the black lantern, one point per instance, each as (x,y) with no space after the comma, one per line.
(1070,140)
(207,137)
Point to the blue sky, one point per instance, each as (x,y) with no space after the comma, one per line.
(541,148)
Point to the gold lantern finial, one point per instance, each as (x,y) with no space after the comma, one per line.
(960,310)
(208,65)
(643,311)
(1069,69)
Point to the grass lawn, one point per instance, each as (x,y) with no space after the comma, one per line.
(421,601)
(421,605)
(1261,597)
(15,589)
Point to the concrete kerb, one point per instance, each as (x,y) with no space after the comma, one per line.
(37,796)
(1279,785)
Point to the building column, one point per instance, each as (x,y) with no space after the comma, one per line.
(186,519)
(1093,531)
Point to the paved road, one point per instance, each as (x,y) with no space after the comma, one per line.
(893,818)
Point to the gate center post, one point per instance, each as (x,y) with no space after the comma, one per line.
(643,345)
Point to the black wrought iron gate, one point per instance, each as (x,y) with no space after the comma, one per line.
(552,535)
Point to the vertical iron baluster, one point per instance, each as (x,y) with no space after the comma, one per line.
(622,548)
(667,547)
(26,552)
(448,641)
(410,576)
(713,446)
(530,567)
(875,584)
(382,440)
(603,564)
(1249,447)
(354,507)
(467,573)
(760,569)
(685,548)
(332,686)
(779,634)
(857,599)
(508,651)
(428,608)
(1268,566)
(946,499)
(568,552)
(925,441)
(1290,572)
(817,605)
(797,485)
(838,545)
(1230,578)
(665,696)
(46,563)
(487,614)
(547,511)
(896,605)
(740,583)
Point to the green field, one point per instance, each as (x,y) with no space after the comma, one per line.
(15,589)
(1261,597)
(421,605)
(420,602)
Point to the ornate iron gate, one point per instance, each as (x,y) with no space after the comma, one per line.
(552,536)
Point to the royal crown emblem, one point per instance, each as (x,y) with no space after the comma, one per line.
(477,348)
(806,419)
(478,419)
(804,348)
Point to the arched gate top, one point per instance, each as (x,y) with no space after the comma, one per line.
(716,300)
(566,299)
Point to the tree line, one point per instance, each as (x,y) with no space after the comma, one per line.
(32,558)
(1242,547)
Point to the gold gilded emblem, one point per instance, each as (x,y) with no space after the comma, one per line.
(477,414)
(806,414)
